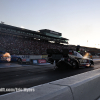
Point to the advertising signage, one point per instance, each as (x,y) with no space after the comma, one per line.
(41,61)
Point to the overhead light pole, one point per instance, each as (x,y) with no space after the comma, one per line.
(87,43)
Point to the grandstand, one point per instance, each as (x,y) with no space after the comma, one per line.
(22,41)
(1,48)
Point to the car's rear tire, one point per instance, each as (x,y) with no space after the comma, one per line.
(19,60)
(61,65)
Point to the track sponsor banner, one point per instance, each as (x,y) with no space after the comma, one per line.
(30,56)
(41,61)
(35,62)
(27,60)
(23,60)
(44,56)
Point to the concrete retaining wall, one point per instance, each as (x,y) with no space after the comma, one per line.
(30,56)
(96,56)
(84,86)
(98,99)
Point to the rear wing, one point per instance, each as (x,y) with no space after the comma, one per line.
(55,54)
(56,51)
(53,51)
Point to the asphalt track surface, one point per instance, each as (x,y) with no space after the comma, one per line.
(13,75)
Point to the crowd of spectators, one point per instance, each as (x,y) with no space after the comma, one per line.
(26,46)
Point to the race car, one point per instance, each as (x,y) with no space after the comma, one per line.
(68,57)
(6,57)
(15,58)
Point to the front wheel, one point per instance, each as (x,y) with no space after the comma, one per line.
(74,65)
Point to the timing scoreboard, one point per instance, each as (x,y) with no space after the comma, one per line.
(50,33)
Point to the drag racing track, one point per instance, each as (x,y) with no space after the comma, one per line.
(13,75)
